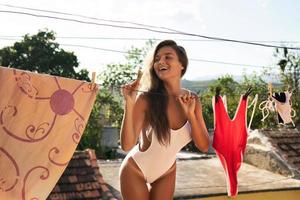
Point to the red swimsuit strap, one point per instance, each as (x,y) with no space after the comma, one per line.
(221,113)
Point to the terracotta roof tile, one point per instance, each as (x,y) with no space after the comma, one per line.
(82,180)
(287,142)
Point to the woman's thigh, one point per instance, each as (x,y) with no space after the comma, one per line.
(164,187)
(132,182)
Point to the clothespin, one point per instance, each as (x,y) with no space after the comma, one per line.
(93,77)
(290,89)
(218,91)
(93,85)
(270,88)
(249,90)
(139,74)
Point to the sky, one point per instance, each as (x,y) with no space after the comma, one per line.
(257,20)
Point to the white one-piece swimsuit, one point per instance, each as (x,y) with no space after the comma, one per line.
(157,159)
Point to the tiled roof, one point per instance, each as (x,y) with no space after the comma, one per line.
(287,143)
(82,180)
(277,150)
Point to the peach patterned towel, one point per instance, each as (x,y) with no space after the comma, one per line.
(42,118)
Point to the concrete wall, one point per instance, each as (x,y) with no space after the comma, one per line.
(110,137)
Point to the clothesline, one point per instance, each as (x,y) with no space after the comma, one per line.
(158,93)
(112,87)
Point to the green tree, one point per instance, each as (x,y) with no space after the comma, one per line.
(229,87)
(116,75)
(233,90)
(289,63)
(259,87)
(108,106)
(40,53)
(93,131)
(92,134)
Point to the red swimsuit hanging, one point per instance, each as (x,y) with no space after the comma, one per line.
(230,138)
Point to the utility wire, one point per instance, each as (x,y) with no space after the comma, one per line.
(118,87)
(145,39)
(139,54)
(228,63)
(118,21)
(86,17)
(101,49)
(191,59)
(171,31)
(85,22)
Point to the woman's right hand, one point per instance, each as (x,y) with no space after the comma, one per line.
(129,91)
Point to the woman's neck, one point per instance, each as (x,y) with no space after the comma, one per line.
(173,88)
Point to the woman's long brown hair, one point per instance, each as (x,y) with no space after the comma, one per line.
(157,113)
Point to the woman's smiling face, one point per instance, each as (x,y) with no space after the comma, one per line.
(167,64)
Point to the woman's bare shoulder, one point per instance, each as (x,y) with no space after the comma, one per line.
(187,91)
(141,101)
(142,97)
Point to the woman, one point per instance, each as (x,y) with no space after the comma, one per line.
(164,119)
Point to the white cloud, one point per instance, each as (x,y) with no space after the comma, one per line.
(263,3)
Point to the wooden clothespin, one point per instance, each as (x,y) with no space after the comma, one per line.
(217,94)
(290,89)
(248,92)
(139,74)
(270,88)
(93,77)
(93,84)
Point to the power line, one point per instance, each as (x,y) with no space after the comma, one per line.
(97,48)
(3,38)
(145,39)
(119,21)
(191,59)
(118,87)
(175,32)
(228,63)
(84,22)
(87,17)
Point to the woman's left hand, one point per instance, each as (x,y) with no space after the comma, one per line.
(188,103)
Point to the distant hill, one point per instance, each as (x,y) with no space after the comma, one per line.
(196,86)
(274,79)
(202,84)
